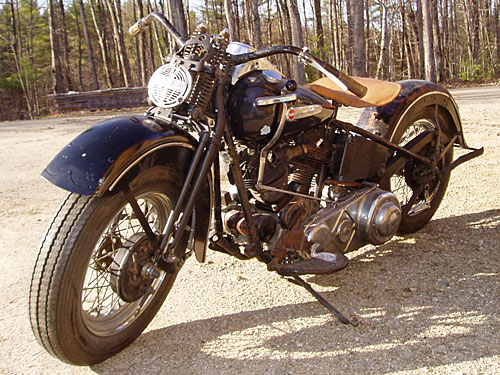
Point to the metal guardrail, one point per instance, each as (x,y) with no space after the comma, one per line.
(100,99)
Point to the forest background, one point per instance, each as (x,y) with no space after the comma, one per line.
(58,46)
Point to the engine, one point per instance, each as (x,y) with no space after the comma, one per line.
(308,183)
(351,215)
(292,166)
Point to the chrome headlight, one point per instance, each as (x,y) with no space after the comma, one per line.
(170,85)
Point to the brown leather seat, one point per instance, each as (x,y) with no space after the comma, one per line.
(379,92)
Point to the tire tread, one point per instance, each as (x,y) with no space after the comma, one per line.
(49,260)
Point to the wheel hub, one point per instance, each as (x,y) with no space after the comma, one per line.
(127,278)
(104,255)
(418,174)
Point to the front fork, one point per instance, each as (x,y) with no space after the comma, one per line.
(205,156)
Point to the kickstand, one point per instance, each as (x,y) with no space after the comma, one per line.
(298,281)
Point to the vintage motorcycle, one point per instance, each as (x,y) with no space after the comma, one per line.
(305,187)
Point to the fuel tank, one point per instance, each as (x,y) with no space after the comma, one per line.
(257,124)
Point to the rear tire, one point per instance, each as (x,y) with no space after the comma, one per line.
(400,183)
(75,312)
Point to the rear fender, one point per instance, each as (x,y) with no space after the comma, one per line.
(105,157)
(413,97)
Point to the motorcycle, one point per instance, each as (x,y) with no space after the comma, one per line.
(145,192)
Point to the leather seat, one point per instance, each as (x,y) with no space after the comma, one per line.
(379,92)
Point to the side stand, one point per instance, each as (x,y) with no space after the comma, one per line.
(298,281)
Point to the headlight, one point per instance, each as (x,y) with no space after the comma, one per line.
(170,85)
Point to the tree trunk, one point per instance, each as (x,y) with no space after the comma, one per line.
(359,57)
(143,47)
(340,35)
(306,24)
(80,75)
(216,16)
(456,65)
(229,18)
(35,87)
(102,45)
(247,25)
(257,36)
(383,40)
(421,51)
(65,56)
(333,34)
(16,48)
(350,36)
(15,45)
(236,7)
(89,46)
(297,39)
(497,27)
(113,9)
(367,37)
(436,32)
(138,51)
(445,51)
(475,30)
(403,39)
(124,56)
(320,45)
(287,33)
(269,26)
(178,19)
(430,70)
(55,66)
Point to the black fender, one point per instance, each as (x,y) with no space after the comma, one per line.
(108,155)
(413,97)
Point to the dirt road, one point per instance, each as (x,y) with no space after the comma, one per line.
(427,302)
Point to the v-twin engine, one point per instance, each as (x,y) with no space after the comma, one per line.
(370,216)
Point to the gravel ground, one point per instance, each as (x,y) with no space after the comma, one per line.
(427,302)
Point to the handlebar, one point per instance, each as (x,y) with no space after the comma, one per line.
(345,81)
(141,25)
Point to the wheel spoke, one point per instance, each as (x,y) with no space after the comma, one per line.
(399,182)
(104,310)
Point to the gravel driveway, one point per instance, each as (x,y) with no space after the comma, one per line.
(427,302)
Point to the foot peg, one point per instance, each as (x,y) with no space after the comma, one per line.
(286,263)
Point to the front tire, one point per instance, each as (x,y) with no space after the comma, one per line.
(75,310)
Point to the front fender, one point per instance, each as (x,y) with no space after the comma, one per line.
(102,158)
(91,162)
(414,96)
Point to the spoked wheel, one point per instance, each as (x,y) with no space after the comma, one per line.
(419,190)
(95,286)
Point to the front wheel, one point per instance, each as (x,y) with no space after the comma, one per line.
(415,178)
(90,296)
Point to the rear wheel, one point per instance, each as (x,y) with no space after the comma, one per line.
(416,178)
(94,287)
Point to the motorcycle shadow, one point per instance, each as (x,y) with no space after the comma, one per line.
(424,301)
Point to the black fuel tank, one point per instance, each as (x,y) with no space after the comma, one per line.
(248,121)
(252,123)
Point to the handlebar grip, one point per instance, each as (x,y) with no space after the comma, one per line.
(140,25)
(146,21)
(135,29)
(354,86)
